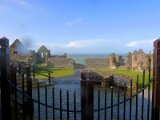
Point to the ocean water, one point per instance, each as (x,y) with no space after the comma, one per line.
(80,58)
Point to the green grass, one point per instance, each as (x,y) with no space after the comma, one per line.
(56,72)
(129,73)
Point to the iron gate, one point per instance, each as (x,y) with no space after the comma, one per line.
(18,101)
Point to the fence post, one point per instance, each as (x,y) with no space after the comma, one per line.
(49,77)
(90,103)
(29,91)
(83,97)
(156,75)
(5,91)
(87,103)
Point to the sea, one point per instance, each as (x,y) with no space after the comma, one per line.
(80,58)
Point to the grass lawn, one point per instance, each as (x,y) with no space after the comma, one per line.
(129,73)
(56,72)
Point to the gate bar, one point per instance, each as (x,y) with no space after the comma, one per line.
(156,75)
(87,92)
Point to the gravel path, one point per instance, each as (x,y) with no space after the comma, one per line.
(71,79)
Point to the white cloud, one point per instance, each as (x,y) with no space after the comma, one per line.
(94,46)
(131,44)
(83,43)
(83,46)
(74,22)
(139,43)
(75,44)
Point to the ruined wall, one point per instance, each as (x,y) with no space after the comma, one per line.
(22,58)
(128,61)
(60,62)
(111,62)
(97,63)
(43,53)
(19,53)
(138,60)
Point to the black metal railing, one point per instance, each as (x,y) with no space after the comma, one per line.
(23,102)
(111,105)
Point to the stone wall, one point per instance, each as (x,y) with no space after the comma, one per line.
(138,60)
(128,61)
(19,53)
(110,62)
(97,63)
(42,54)
(22,58)
(60,62)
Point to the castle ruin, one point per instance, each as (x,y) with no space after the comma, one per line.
(109,62)
(19,52)
(138,60)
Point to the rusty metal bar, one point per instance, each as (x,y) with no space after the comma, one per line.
(153,62)
(15,94)
(49,77)
(137,83)
(53,103)
(156,68)
(34,76)
(60,104)
(105,104)
(124,107)
(38,97)
(23,97)
(83,99)
(118,103)
(111,102)
(75,108)
(143,79)
(67,105)
(98,104)
(130,100)
(149,77)
(46,102)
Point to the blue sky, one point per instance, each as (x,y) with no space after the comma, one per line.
(82,26)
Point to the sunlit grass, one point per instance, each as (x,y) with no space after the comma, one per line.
(132,74)
(55,72)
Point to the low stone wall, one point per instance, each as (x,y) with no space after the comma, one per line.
(108,79)
(61,62)
(97,63)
